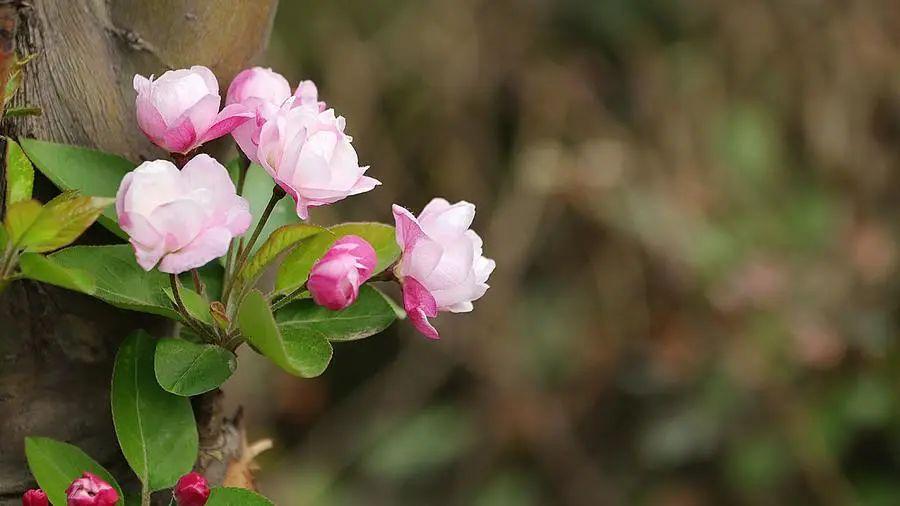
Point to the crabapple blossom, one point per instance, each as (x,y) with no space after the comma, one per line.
(442,267)
(180,219)
(179,110)
(310,157)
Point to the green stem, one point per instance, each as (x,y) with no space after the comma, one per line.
(182,309)
(244,253)
(233,246)
(284,301)
(145,495)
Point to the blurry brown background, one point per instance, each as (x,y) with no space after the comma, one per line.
(693,207)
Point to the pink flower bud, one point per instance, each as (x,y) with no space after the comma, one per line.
(35,497)
(335,279)
(192,489)
(90,490)
(179,111)
(441,267)
(309,155)
(180,219)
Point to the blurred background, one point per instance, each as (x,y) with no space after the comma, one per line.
(693,209)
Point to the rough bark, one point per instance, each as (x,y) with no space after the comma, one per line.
(56,347)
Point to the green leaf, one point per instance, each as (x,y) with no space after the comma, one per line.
(19,173)
(196,304)
(19,218)
(47,270)
(77,168)
(120,281)
(55,465)
(185,368)
(286,237)
(62,220)
(381,236)
(369,315)
(226,496)
(294,270)
(156,429)
(305,355)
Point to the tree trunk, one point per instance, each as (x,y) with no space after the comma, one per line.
(56,347)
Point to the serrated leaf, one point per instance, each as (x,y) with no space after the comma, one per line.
(119,280)
(305,355)
(47,270)
(197,306)
(381,236)
(19,174)
(61,221)
(55,465)
(282,239)
(227,496)
(369,315)
(19,218)
(156,429)
(77,168)
(185,368)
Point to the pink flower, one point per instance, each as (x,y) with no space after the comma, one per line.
(35,497)
(310,157)
(263,91)
(441,267)
(335,278)
(90,490)
(192,489)
(180,219)
(179,111)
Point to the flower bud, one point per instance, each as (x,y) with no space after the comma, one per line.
(180,219)
(35,497)
(335,278)
(90,490)
(192,489)
(441,266)
(179,111)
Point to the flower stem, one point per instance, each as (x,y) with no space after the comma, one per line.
(182,309)
(145,495)
(243,253)
(198,285)
(284,301)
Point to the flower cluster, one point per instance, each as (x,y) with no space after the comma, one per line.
(180,218)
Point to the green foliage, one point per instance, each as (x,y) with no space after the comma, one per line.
(61,221)
(284,238)
(76,168)
(185,368)
(156,429)
(55,465)
(48,270)
(19,174)
(196,304)
(301,354)
(19,218)
(370,314)
(227,496)
(294,271)
(120,281)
